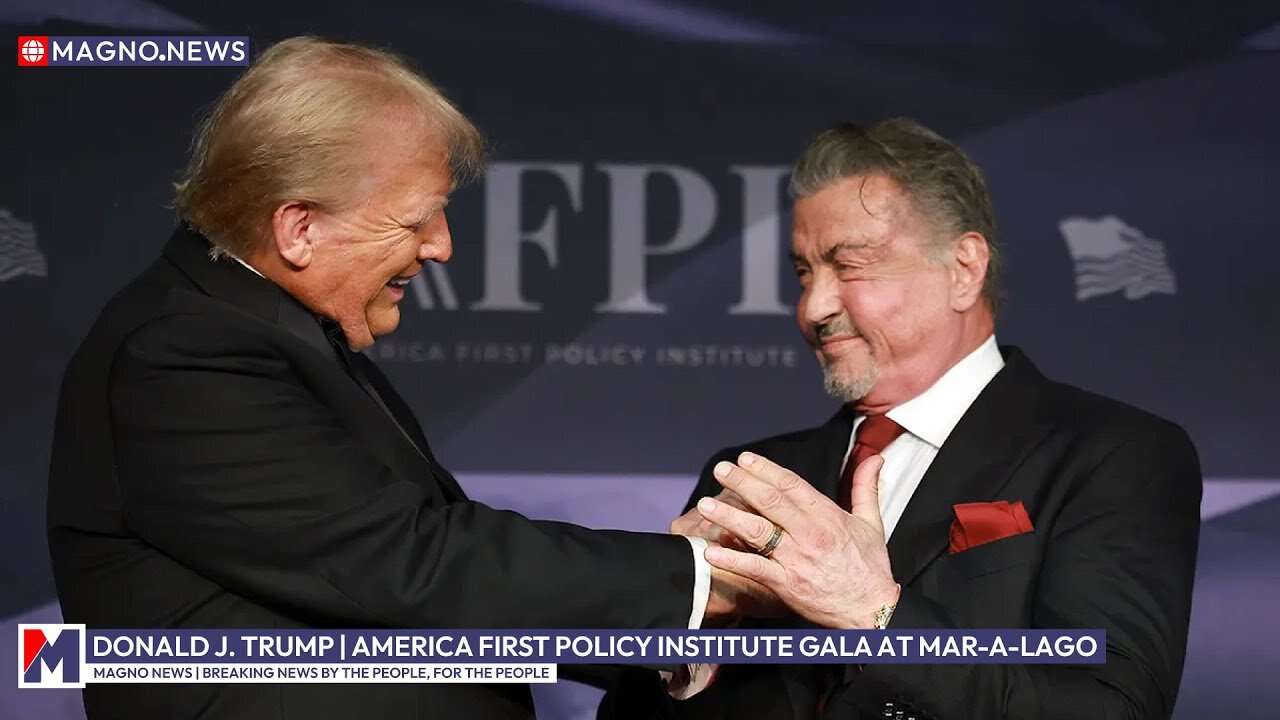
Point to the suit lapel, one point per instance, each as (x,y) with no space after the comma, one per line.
(226,280)
(819,459)
(408,425)
(997,432)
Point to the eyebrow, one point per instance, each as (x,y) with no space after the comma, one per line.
(830,254)
(436,205)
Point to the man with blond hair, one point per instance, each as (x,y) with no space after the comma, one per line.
(225,457)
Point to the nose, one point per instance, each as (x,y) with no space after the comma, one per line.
(820,303)
(438,244)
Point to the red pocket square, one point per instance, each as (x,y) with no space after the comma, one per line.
(980,523)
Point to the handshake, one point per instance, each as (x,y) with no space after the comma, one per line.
(777,546)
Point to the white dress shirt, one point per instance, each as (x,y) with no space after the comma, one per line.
(701,568)
(928,419)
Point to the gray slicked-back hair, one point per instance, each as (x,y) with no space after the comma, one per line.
(944,185)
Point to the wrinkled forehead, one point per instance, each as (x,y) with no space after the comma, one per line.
(859,211)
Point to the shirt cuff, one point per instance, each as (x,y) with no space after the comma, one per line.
(690,680)
(701,582)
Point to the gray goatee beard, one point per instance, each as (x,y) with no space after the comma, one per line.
(849,389)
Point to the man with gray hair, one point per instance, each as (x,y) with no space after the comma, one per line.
(956,487)
(224,457)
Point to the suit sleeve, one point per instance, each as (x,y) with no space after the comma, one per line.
(1122,558)
(230,465)
(641,694)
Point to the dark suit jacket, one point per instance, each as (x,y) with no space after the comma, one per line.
(1114,496)
(215,466)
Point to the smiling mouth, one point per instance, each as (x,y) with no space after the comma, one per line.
(832,341)
(398,282)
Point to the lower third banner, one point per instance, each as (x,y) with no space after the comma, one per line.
(71,655)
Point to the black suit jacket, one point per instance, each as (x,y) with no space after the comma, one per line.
(214,465)
(1114,496)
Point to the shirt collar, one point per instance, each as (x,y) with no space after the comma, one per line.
(302,321)
(934,413)
(252,269)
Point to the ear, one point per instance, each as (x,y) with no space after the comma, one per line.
(293,232)
(968,270)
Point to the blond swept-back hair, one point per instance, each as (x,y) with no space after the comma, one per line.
(292,128)
(944,185)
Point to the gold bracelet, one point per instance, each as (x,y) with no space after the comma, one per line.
(884,614)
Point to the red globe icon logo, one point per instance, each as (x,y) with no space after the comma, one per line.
(33,51)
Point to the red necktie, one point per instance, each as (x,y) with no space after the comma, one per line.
(874,434)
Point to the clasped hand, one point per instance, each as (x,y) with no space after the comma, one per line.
(830,566)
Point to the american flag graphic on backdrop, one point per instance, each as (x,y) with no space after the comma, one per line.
(19,254)
(1111,256)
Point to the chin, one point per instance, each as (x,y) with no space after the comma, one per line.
(384,322)
(849,381)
